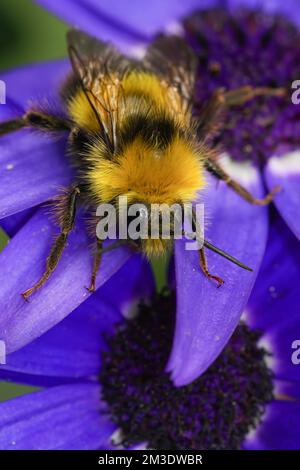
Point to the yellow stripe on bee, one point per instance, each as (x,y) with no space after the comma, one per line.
(82,112)
(162,96)
(148,175)
(146,84)
(139,84)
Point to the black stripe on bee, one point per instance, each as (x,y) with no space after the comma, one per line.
(157,132)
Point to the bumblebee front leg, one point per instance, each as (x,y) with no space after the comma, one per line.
(215,169)
(37,120)
(204,268)
(67,223)
(98,256)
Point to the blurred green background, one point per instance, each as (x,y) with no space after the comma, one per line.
(27,34)
(30,34)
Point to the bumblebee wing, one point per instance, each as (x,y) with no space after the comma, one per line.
(172,59)
(98,67)
(92,59)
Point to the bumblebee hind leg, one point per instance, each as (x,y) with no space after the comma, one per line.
(67,213)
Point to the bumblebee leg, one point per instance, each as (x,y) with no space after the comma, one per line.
(13,125)
(214,168)
(238,97)
(98,257)
(59,244)
(36,120)
(96,264)
(242,95)
(204,268)
(219,251)
(211,116)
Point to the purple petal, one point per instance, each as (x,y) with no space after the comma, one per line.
(127,23)
(9,110)
(134,281)
(33,380)
(285,171)
(274,306)
(12,224)
(124,23)
(207,316)
(33,166)
(23,262)
(279,430)
(24,84)
(287,389)
(33,170)
(66,417)
(72,349)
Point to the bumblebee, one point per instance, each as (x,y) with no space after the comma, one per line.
(132,132)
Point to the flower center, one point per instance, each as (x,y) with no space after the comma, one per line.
(216,411)
(248,48)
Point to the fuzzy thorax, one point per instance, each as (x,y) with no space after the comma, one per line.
(148,175)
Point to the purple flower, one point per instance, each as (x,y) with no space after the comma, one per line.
(105,385)
(35,166)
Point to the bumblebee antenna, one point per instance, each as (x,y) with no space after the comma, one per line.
(226,255)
